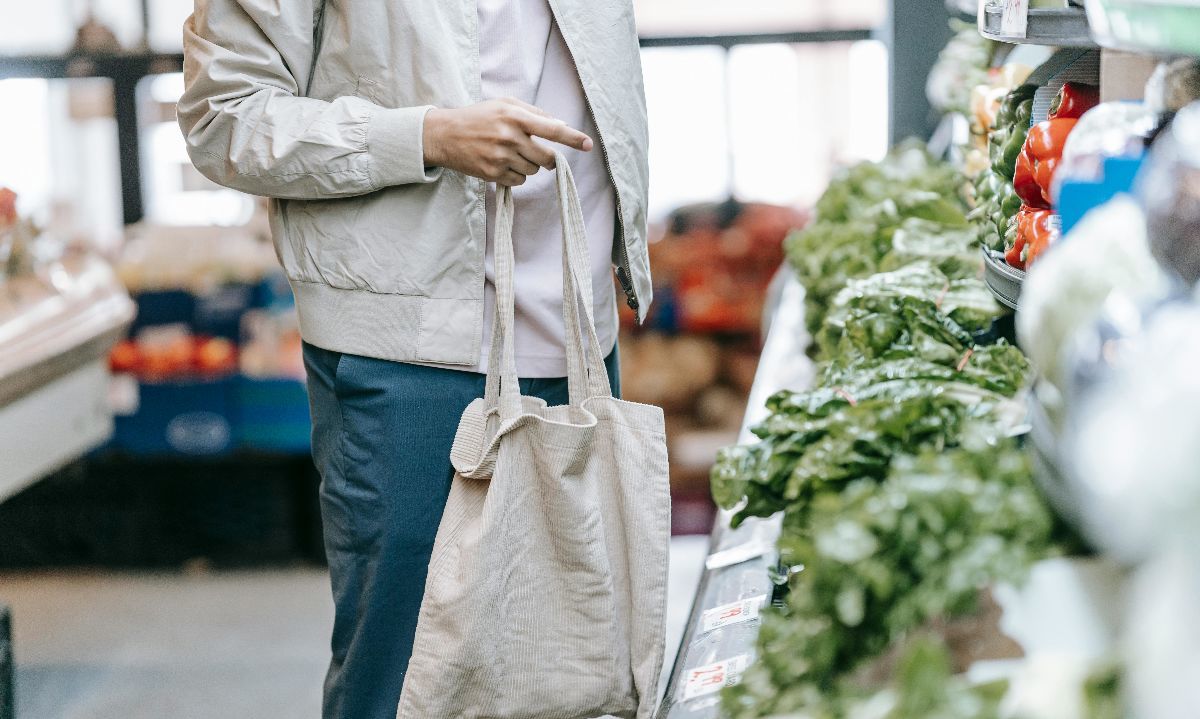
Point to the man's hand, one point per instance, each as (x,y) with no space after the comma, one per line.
(493,140)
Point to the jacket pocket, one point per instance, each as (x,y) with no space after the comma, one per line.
(372,91)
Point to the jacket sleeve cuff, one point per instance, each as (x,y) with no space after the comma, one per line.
(394,141)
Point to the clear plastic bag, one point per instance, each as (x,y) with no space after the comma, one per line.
(1169,191)
(1133,425)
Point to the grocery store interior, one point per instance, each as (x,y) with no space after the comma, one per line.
(925,332)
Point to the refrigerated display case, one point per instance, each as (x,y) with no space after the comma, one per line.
(738,580)
(58,320)
(1080,634)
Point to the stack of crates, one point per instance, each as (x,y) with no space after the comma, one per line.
(210,416)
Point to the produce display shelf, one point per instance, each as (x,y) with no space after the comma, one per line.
(1060,28)
(56,423)
(691,691)
(1003,280)
(1157,28)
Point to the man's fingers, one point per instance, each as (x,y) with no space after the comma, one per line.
(532,150)
(522,165)
(558,131)
(511,178)
(526,106)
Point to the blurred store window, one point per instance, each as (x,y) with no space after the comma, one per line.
(176,193)
(760,122)
(688,125)
(765,122)
(714,17)
(60,154)
(48,28)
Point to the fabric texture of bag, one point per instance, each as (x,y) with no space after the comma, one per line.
(546,591)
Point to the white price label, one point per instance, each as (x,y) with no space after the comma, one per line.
(753,549)
(1014,18)
(742,610)
(712,678)
(124,395)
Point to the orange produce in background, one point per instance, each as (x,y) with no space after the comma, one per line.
(125,357)
(715,261)
(216,355)
(174,356)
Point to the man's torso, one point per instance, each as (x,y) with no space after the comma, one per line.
(414,255)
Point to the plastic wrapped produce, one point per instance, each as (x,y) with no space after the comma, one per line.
(1174,85)
(1111,129)
(1107,251)
(1134,435)
(1163,636)
(1169,189)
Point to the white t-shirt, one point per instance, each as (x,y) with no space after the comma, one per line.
(523,55)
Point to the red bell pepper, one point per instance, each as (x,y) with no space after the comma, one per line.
(1024,183)
(1039,160)
(1015,256)
(1073,100)
(1035,232)
(1042,232)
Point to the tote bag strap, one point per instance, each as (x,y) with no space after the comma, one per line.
(586,374)
(577,292)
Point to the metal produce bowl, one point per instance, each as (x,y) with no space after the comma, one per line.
(1004,281)
(1048,467)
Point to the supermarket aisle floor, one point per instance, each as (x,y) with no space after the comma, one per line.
(199,645)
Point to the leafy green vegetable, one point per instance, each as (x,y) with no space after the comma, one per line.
(966,301)
(927,688)
(961,65)
(887,327)
(1000,368)
(952,249)
(882,559)
(862,211)
(902,494)
(827,253)
(1102,692)
(819,440)
(858,189)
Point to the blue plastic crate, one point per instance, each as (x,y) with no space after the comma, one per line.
(219,311)
(181,418)
(163,307)
(274,292)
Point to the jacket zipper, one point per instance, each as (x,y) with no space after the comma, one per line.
(624,273)
(318,40)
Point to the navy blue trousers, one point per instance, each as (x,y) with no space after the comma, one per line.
(381,441)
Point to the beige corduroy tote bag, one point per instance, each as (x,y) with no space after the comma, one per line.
(547,585)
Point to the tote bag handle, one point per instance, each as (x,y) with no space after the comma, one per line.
(586,374)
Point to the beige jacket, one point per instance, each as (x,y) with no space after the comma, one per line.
(320,105)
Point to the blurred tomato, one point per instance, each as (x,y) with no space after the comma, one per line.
(125,357)
(215,355)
